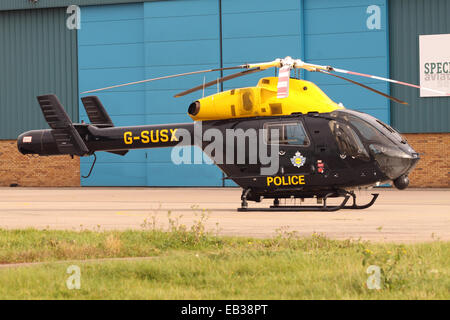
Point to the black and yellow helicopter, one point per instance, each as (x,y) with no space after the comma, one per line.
(323,150)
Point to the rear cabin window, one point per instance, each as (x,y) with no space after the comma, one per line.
(289,133)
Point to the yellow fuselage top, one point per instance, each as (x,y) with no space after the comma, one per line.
(304,96)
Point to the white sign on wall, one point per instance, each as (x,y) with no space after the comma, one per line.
(434,64)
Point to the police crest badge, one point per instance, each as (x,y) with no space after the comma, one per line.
(298,160)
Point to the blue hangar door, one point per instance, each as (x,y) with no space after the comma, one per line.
(130,42)
(337,33)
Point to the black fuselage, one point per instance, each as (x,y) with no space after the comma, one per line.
(317,153)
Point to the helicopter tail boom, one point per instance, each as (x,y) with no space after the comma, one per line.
(82,139)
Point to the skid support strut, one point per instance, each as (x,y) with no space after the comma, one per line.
(367,205)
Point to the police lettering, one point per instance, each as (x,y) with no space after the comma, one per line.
(285,180)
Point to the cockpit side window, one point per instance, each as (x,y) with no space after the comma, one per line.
(369,132)
(348,141)
(366,130)
(290,133)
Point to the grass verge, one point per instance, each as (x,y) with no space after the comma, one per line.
(191,263)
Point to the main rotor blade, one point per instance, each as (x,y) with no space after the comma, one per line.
(389,80)
(211,83)
(314,67)
(364,86)
(161,78)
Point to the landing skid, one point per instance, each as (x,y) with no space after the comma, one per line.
(324,208)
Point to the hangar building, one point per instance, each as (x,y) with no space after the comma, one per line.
(127,40)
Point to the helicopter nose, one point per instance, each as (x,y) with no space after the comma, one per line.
(402,181)
(395,163)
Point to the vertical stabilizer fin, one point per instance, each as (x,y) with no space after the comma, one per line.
(96,112)
(67,138)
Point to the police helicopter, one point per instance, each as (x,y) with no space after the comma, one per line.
(323,150)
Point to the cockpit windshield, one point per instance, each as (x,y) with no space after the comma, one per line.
(385,144)
(370,128)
